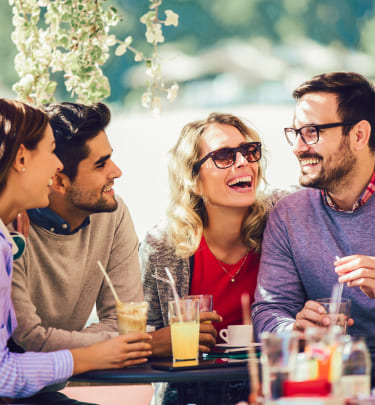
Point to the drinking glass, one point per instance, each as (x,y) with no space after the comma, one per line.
(184,322)
(342,313)
(131,317)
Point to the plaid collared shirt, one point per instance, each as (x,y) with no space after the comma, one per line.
(370,190)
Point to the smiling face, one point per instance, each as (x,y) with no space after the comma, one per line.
(234,186)
(42,164)
(91,191)
(327,164)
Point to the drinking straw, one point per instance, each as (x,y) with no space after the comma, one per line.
(172,283)
(334,305)
(252,363)
(341,287)
(109,282)
(175,294)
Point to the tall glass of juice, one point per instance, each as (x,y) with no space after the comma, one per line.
(184,322)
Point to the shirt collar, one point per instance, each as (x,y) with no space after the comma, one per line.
(365,196)
(48,219)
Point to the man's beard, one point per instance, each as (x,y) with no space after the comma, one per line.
(85,203)
(334,170)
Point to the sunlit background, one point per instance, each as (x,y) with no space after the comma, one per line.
(239,56)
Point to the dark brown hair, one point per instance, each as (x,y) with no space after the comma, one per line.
(20,124)
(355,97)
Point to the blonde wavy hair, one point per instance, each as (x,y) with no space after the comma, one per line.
(186,213)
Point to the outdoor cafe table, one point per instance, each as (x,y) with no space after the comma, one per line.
(182,378)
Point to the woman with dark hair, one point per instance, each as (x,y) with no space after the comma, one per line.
(27,166)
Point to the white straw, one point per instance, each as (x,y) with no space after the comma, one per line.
(174,291)
(109,282)
(341,287)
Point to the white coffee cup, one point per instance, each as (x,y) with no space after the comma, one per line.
(237,335)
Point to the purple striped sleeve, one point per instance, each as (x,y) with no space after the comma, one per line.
(22,375)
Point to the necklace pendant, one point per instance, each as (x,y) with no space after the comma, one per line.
(232,280)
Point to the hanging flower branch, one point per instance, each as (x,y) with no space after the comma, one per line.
(76,40)
(154,35)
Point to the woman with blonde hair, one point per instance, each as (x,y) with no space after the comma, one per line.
(27,166)
(212,237)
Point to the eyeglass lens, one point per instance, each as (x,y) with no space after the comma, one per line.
(309,135)
(227,156)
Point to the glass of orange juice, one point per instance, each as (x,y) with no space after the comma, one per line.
(184,322)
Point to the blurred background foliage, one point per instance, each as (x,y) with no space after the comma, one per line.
(232,52)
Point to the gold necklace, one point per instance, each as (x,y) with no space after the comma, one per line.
(233,276)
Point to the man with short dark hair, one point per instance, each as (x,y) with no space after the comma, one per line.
(333,139)
(57,281)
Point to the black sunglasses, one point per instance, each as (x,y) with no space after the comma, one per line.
(226,157)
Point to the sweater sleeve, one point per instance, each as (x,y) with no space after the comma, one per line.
(279,295)
(24,374)
(148,254)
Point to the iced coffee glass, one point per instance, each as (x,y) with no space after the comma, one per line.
(131,317)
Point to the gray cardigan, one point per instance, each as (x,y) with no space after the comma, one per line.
(156,254)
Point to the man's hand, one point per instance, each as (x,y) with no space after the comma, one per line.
(161,338)
(313,314)
(121,351)
(357,271)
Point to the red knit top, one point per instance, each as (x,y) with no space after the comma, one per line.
(209,278)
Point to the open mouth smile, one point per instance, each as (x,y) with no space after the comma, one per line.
(241,183)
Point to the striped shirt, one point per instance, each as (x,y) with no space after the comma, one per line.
(22,375)
(370,190)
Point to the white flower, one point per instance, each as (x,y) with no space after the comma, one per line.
(111,40)
(138,56)
(155,34)
(26,82)
(172,92)
(120,50)
(156,106)
(172,18)
(146,99)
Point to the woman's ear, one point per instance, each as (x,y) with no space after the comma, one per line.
(196,188)
(21,160)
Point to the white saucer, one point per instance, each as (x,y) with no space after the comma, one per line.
(228,346)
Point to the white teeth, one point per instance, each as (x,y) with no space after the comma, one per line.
(50,182)
(109,188)
(305,162)
(240,180)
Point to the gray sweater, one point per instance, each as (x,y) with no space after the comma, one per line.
(57,282)
(302,237)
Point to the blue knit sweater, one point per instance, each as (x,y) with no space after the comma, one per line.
(302,238)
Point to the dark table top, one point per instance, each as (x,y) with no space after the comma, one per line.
(146,374)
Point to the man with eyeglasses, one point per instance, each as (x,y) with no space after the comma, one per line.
(325,233)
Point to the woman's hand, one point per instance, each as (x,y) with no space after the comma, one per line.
(162,343)
(22,223)
(118,352)
(207,332)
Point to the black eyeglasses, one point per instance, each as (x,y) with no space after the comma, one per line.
(310,133)
(226,157)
